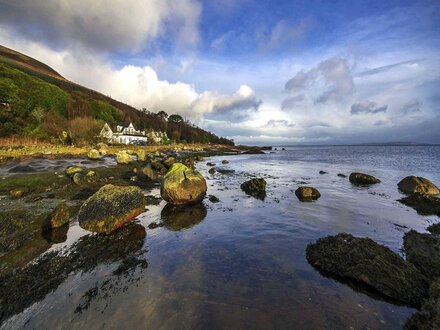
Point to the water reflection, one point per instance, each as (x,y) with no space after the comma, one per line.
(178,217)
(32,283)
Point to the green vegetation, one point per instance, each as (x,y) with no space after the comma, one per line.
(37,102)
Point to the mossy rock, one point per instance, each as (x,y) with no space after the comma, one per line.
(94,154)
(255,187)
(363,179)
(123,157)
(110,208)
(72,170)
(423,204)
(307,194)
(79,178)
(17,193)
(141,155)
(416,184)
(370,264)
(59,217)
(423,251)
(168,162)
(211,170)
(182,185)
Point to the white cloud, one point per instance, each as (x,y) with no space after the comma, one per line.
(103,24)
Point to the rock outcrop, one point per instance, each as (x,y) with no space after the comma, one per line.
(307,194)
(416,184)
(255,187)
(110,208)
(182,185)
(373,265)
(362,179)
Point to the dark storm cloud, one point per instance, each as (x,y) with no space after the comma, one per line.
(367,107)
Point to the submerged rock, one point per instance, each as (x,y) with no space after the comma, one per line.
(371,264)
(225,161)
(210,164)
(178,217)
(254,152)
(423,251)
(307,194)
(182,185)
(416,184)
(211,170)
(94,154)
(123,157)
(322,172)
(428,317)
(255,187)
(342,175)
(423,204)
(362,179)
(110,208)
(214,199)
(72,170)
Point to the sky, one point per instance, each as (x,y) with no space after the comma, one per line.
(257,71)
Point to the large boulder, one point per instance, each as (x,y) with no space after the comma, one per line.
(373,265)
(110,208)
(417,184)
(93,154)
(123,157)
(423,251)
(255,187)
(362,179)
(423,204)
(307,194)
(182,185)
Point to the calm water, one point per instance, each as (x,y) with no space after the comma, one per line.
(241,263)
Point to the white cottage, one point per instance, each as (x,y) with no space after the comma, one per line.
(123,134)
(129,135)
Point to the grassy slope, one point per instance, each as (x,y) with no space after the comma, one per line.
(37,95)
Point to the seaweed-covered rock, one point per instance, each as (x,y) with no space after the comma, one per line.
(434,229)
(416,184)
(362,179)
(307,194)
(211,171)
(214,199)
(123,157)
(110,208)
(255,187)
(225,161)
(59,217)
(371,264)
(72,170)
(428,317)
(182,185)
(93,154)
(423,204)
(423,251)
(210,164)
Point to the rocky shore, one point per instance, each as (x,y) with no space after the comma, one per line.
(38,209)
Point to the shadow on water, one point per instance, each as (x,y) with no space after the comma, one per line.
(31,284)
(179,217)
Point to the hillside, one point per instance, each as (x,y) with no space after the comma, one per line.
(37,102)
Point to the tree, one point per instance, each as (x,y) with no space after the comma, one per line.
(162,114)
(175,119)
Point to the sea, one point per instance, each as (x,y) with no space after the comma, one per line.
(240,263)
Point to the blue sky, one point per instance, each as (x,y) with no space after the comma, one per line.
(277,72)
